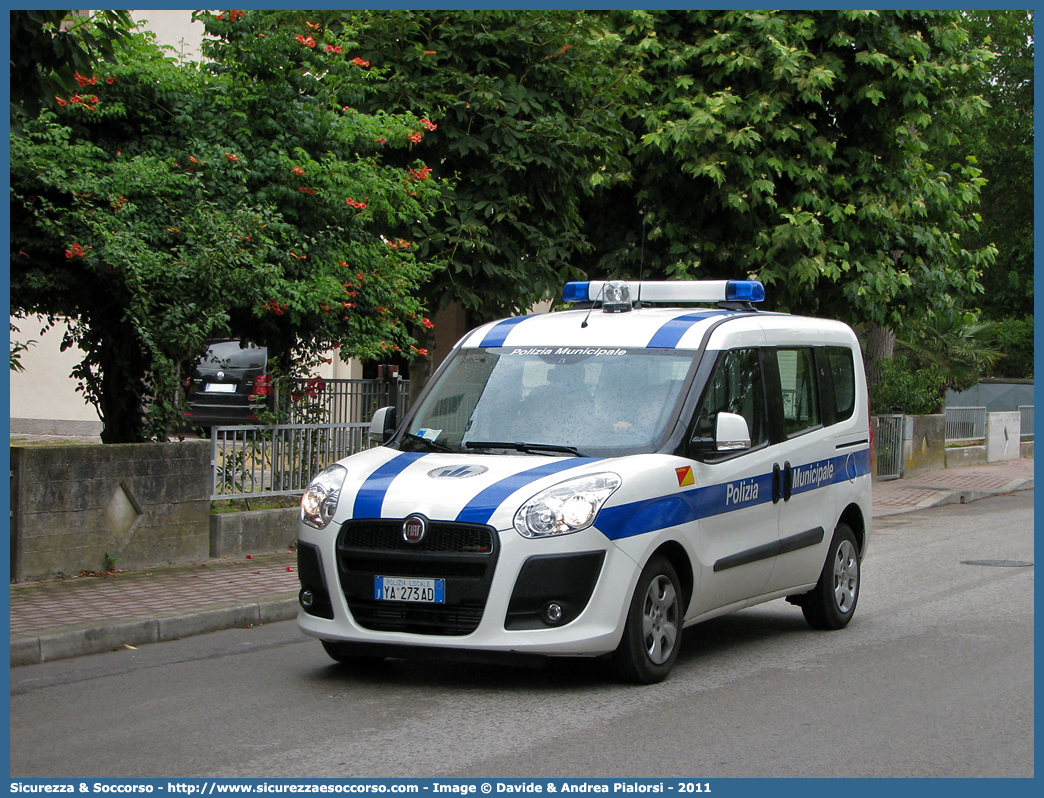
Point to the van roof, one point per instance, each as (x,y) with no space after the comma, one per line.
(650,328)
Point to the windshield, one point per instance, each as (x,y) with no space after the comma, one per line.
(596,401)
(230,354)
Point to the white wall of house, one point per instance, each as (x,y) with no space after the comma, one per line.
(44,400)
(174,28)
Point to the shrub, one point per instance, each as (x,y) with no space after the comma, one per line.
(1013,337)
(914,390)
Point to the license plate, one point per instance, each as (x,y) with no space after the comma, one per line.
(220,387)
(405,588)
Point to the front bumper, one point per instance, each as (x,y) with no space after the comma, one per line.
(558,596)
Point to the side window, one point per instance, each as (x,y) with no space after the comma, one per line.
(797,377)
(842,370)
(735,387)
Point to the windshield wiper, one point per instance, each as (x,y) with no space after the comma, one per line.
(429,443)
(519,446)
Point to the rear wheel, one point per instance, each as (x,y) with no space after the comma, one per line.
(831,604)
(652,633)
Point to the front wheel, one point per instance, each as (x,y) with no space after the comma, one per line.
(652,633)
(831,604)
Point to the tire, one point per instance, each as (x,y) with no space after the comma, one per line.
(653,630)
(832,603)
(347,654)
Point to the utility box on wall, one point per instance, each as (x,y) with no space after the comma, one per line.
(76,508)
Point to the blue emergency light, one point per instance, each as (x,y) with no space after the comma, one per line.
(575,292)
(676,291)
(744,291)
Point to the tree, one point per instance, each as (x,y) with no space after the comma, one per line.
(48,50)
(525,104)
(1001,141)
(791,146)
(167,203)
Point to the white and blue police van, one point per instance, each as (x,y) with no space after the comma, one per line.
(591,481)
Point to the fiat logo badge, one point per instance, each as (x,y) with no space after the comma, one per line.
(414,528)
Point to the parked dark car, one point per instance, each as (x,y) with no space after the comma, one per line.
(229,385)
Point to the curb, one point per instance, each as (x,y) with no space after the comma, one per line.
(945,496)
(112,635)
(971,495)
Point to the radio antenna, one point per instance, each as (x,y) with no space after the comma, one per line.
(641,267)
(583,324)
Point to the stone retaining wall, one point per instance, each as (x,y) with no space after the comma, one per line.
(77,508)
(253,531)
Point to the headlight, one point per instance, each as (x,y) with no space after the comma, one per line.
(319,502)
(567,507)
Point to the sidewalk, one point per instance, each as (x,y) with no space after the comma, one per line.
(90,614)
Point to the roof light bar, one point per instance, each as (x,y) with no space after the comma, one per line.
(673,291)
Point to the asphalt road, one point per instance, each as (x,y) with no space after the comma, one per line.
(933,678)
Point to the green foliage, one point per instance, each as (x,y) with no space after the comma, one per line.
(47,57)
(1014,339)
(791,146)
(954,343)
(17,347)
(906,388)
(244,199)
(1001,142)
(526,105)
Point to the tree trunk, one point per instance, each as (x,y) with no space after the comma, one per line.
(123,370)
(880,344)
(451,324)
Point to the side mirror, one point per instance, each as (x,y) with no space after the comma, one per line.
(383,424)
(731,434)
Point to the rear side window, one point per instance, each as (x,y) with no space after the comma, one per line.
(842,372)
(797,377)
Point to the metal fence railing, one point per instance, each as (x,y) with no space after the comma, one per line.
(1027,422)
(965,423)
(888,443)
(343,401)
(247,461)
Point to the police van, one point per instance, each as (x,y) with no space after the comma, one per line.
(591,481)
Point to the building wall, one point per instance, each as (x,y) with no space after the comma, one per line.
(173,28)
(44,400)
(997,396)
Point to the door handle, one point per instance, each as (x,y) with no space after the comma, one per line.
(788,481)
(777,483)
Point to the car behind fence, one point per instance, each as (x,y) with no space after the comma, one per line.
(251,460)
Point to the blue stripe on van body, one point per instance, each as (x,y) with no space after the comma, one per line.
(370,498)
(649,515)
(499,332)
(661,512)
(481,508)
(827,472)
(668,336)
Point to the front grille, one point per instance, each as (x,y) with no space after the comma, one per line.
(465,555)
(430,619)
(443,536)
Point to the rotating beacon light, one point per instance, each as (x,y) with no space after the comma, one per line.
(616,295)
